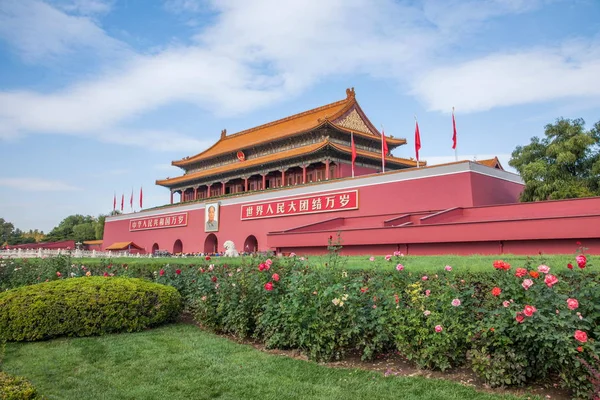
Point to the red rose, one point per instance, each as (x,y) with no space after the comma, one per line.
(572,304)
(268,286)
(550,280)
(521,272)
(207,258)
(178,271)
(578,243)
(214,279)
(499,264)
(262,267)
(580,349)
(520,317)
(580,336)
(570,266)
(58,274)
(496,291)
(529,310)
(581,261)
(161,272)
(275,277)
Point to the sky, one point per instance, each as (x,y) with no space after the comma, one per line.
(97,97)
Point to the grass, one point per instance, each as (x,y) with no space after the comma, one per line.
(182,362)
(472,263)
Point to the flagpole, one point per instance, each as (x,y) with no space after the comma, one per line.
(382,150)
(417,122)
(352,156)
(454,128)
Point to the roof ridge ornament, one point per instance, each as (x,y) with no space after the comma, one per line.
(350,94)
(223,133)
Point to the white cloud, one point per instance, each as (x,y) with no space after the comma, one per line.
(36,185)
(508,79)
(39,32)
(85,7)
(255,53)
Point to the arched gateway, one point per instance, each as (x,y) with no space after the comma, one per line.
(155,248)
(177,247)
(251,244)
(211,244)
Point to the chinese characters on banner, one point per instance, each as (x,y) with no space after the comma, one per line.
(304,205)
(159,221)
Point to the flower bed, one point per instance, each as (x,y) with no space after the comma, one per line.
(512,324)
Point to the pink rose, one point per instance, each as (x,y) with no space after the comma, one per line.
(506,303)
(424,277)
(448,268)
(426,313)
(438,328)
(551,280)
(388,257)
(581,261)
(268,286)
(58,274)
(543,269)
(371,258)
(580,336)
(399,267)
(456,302)
(572,304)
(275,277)
(527,284)
(427,293)
(268,262)
(529,310)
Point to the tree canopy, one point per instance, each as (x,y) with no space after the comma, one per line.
(12,236)
(79,228)
(564,164)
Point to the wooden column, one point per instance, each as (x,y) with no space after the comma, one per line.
(327,170)
(245,184)
(222,188)
(283,177)
(171,197)
(304,173)
(196,193)
(208,190)
(264,182)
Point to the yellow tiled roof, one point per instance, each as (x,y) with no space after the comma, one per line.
(288,126)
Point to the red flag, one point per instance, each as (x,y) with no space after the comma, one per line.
(454,128)
(417,140)
(131,199)
(353,154)
(384,150)
(122,200)
(114,202)
(141,197)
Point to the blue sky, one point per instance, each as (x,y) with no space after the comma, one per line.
(98,97)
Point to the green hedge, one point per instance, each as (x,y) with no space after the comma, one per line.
(84,307)
(17,388)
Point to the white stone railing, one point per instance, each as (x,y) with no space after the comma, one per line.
(40,253)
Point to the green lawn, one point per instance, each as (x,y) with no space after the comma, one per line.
(474,263)
(182,362)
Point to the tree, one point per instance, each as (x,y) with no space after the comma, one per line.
(65,229)
(6,231)
(565,164)
(99,227)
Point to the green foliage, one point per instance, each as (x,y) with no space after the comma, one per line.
(11,236)
(17,388)
(84,307)
(565,164)
(79,228)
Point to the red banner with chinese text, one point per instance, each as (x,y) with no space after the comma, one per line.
(329,202)
(159,221)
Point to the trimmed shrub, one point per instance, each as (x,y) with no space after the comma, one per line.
(85,307)
(17,388)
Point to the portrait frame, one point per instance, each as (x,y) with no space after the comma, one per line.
(211,224)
